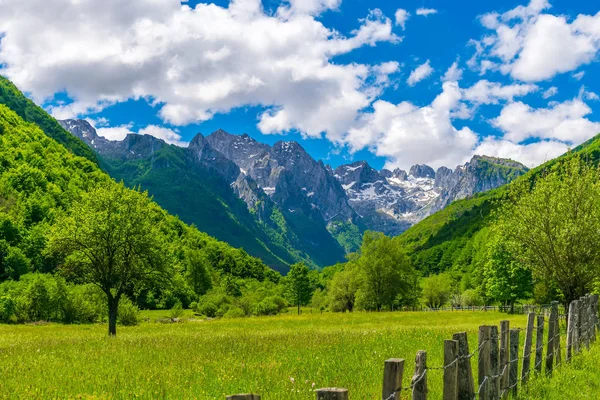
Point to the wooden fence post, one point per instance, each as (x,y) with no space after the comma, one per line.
(588,320)
(494,361)
(244,397)
(504,329)
(527,348)
(582,322)
(465,374)
(393,371)
(451,370)
(551,333)
(332,394)
(539,343)
(419,379)
(514,361)
(483,362)
(557,354)
(572,331)
(594,316)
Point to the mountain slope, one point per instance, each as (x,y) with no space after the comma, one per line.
(207,189)
(436,243)
(30,112)
(391,202)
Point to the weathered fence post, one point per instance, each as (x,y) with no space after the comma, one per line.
(539,343)
(594,316)
(244,397)
(504,328)
(393,371)
(572,331)
(588,320)
(551,333)
(483,362)
(332,394)
(557,354)
(465,374)
(527,348)
(419,379)
(582,325)
(450,370)
(514,361)
(494,359)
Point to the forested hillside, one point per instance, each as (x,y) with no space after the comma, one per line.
(40,180)
(446,239)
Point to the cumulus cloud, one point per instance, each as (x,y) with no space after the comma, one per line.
(564,122)
(486,92)
(401,17)
(551,91)
(165,134)
(192,63)
(418,74)
(115,132)
(532,45)
(453,73)
(407,134)
(426,11)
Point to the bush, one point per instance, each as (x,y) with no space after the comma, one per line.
(128,313)
(208,309)
(267,307)
(234,312)
(177,310)
(7,309)
(470,297)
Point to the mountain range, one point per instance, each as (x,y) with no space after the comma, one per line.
(279,203)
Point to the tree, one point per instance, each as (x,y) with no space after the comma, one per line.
(385,271)
(197,271)
(342,290)
(507,280)
(554,229)
(112,239)
(298,287)
(437,290)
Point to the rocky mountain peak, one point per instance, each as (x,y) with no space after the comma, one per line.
(422,171)
(400,174)
(358,173)
(198,141)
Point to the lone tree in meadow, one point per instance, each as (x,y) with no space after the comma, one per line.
(298,286)
(554,229)
(111,239)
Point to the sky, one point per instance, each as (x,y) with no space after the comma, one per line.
(395,83)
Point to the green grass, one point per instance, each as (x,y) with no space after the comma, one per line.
(209,359)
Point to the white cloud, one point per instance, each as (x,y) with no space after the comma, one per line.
(486,92)
(192,63)
(564,122)
(426,11)
(407,134)
(552,91)
(531,155)
(401,17)
(165,134)
(115,132)
(532,45)
(453,73)
(307,7)
(419,73)
(579,75)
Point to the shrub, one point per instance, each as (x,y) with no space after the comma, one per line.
(234,312)
(208,308)
(267,307)
(7,309)
(176,311)
(128,312)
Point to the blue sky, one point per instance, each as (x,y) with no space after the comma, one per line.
(330,74)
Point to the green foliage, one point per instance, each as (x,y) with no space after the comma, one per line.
(437,290)
(128,313)
(298,285)
(554,229)
(26,109)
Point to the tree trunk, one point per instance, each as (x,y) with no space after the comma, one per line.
(113,307)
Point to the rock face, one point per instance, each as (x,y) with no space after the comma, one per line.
(300,202)
(391,202)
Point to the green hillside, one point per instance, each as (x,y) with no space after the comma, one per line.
(442,241)
(30,112)
(40,179)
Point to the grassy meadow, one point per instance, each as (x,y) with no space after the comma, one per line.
(281,357)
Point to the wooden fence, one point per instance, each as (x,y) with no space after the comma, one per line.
(497,354)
